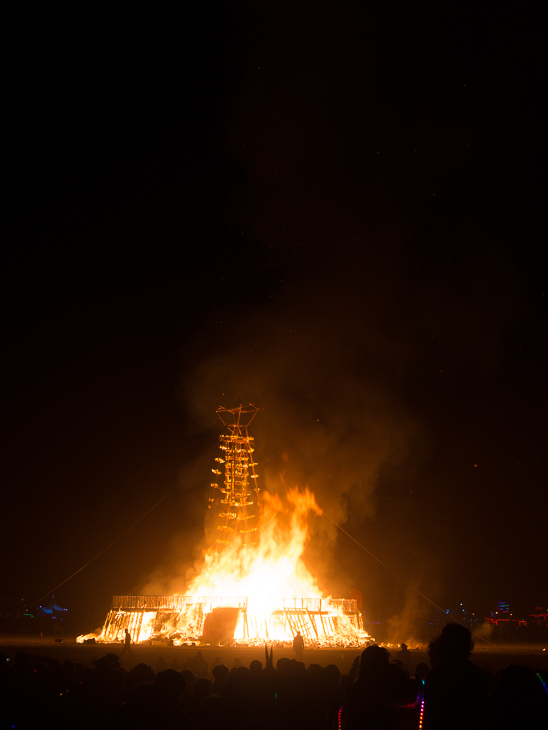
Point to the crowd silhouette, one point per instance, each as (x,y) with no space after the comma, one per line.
(377,693)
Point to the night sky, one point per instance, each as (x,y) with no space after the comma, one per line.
(331,210)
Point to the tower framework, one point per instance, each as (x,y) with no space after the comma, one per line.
(233,618)
(239,486)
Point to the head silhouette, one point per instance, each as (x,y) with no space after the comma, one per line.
(375,660)
(455,642)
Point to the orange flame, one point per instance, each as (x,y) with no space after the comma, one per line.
(271,570)
(267,585)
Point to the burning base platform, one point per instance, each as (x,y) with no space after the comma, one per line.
(232,620)
(255,559)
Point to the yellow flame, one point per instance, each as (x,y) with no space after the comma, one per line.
(268,582)
(271,570)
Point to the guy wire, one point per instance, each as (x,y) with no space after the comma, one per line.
(92,559)
(402,579)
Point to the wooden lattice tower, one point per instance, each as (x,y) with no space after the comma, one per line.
(235,520)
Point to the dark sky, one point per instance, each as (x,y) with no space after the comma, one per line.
(332,210)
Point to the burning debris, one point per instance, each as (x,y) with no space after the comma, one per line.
(249,591)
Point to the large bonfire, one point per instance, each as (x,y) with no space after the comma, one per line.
(254,585)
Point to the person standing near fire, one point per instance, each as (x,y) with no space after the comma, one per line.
(298,646)
(126,651)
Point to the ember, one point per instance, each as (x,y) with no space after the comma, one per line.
(248,592)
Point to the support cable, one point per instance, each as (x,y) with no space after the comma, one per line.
(400,578)
(94,558)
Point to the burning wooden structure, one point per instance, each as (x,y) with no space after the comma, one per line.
(253,585)
(227,619)
(239,468)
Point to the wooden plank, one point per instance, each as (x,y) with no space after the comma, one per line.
(313,622)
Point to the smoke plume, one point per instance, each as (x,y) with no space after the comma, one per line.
(327,421)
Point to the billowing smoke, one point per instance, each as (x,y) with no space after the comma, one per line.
(341,314)
(326,419)
(482,632)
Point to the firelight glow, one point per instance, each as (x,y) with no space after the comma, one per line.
(246,592)
(272,576)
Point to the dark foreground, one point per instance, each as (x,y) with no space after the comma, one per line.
(492,658)
(69,685)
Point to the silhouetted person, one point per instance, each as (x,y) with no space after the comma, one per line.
(405,657)
(454,690)
(434,652)
(197,664)
(298,646)
(154,705)
(220,675)
(371,700)
(139,674)
(127,641)
(518,701)
(355,669)
(126,652)
(421,670)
